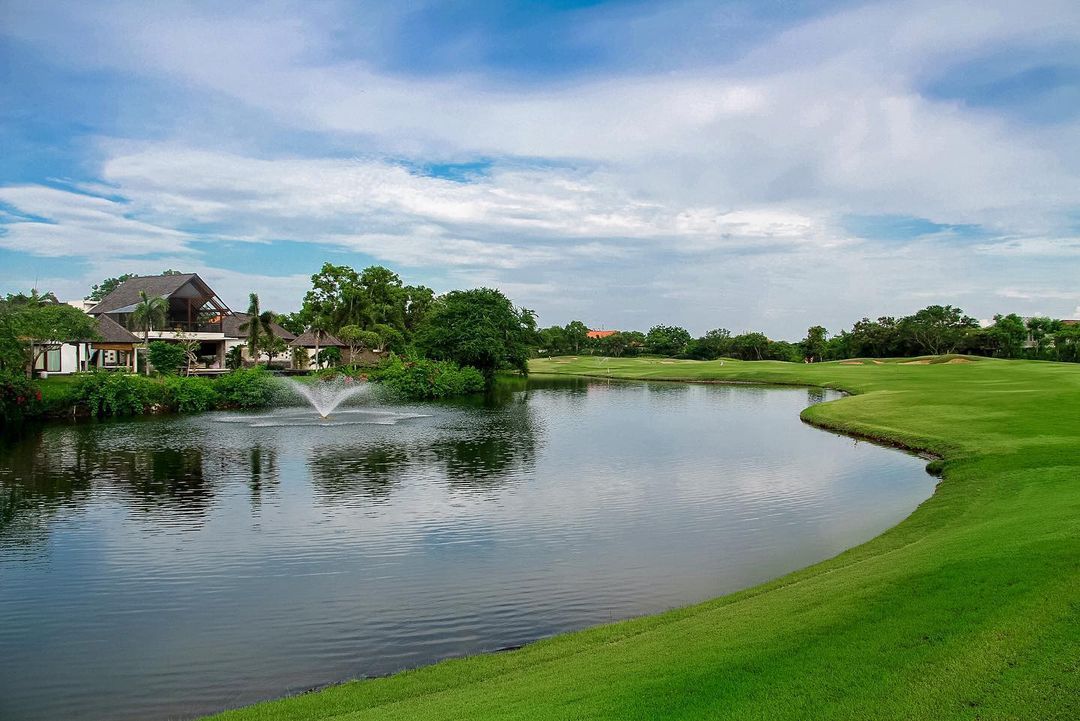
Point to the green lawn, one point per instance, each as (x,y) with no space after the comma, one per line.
(969,609)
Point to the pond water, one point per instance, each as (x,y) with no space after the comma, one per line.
(169,567)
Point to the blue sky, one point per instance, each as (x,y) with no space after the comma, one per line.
(749,165)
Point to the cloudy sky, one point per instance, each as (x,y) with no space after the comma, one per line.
(749,165)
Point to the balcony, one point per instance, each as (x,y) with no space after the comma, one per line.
(192,327)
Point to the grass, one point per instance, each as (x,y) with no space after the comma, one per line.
(969,609)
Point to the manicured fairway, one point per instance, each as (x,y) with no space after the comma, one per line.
(969,609)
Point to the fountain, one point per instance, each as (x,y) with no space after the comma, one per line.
(325,396)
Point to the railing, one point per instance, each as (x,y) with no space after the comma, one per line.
(192,327)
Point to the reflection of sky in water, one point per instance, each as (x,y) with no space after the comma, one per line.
(171,566)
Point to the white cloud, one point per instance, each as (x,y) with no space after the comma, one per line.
(718,186)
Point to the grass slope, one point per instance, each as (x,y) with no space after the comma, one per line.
(969,609)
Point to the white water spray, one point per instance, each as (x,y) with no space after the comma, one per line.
(325,396)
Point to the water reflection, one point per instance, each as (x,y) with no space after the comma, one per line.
(344,474)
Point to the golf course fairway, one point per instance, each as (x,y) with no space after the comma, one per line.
(968,609)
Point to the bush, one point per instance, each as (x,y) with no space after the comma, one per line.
(191,395)
(167,358)
(246,388)
(423,378)
(111,393)
(19,398)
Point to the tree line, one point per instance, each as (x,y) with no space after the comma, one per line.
(934,330)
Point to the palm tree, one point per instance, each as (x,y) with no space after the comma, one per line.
(258,326)
(319,324)
(149,312)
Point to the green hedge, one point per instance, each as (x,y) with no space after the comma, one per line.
(422,378)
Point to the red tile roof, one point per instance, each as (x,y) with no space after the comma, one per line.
(601,333)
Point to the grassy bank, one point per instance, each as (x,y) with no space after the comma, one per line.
(969,609)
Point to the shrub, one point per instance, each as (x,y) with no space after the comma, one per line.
(110,393)
(19,398)
(423,378)
(167,358)
(191,395)
(246,388)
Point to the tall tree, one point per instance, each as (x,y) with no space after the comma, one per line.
(815,343)
(480,328)
(938,329)
(259,327)
(107,286)
(667,340)
(576,335)
(149,313)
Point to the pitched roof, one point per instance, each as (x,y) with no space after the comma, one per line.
(230,324)
(307,340)
(155,286)
(109,331)
(112,332)
(600,333)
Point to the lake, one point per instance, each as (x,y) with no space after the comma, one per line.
(174,566)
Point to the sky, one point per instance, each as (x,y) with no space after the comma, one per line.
(751,165)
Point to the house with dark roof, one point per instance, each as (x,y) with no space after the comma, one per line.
(193,312)
(113,349)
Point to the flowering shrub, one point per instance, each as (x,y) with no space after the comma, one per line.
(19,398)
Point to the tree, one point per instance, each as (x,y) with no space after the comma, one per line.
(300,357)
(613,345)
(938,329)
(750,346)
(329,356)
(1008,335)
(1041,331)
(418,301)
(34,324)
(234,358)
(107,286)
(1067,343)
(714,344)
(575,335)
(551,341)
(667,340)
(292,322)
(166,357)
(480,328)
(272,345)
(389,337)
(874,339)
(815,343)
(357,338)
(149,313)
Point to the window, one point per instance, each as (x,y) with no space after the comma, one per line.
(52,361)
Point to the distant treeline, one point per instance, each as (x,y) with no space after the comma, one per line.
(934,330)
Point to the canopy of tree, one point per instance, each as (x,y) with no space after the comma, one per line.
(479,328)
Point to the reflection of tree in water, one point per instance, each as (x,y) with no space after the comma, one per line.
(342,473)
(169,478)
(492,448)
(60,467)
(38,476)
(815,395)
